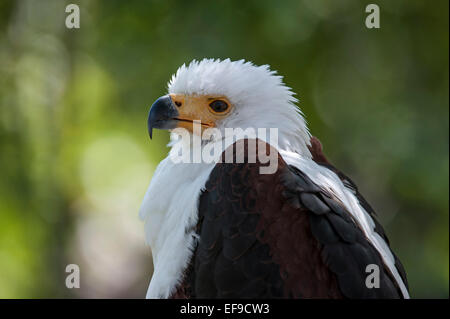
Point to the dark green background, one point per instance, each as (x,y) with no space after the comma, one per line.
(75,157)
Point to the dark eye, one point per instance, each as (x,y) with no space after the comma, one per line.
(219,106)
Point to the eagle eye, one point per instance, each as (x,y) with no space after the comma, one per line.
(219,106)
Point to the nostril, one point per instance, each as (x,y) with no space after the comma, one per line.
(177,103)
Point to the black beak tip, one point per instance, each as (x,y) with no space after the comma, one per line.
(150,126)
(161,115)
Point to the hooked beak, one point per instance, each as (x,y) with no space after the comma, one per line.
(162,115)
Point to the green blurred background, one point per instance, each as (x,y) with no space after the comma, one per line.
(76,160)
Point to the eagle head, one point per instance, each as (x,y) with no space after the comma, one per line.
(230,94)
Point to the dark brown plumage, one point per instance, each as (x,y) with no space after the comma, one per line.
(279,236)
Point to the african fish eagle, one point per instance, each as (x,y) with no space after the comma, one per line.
(223,230)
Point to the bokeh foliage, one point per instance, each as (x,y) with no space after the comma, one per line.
(75,157)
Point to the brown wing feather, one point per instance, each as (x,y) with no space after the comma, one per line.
(276,236)
(252,242)
(319,157)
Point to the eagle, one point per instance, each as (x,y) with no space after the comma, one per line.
(224,228)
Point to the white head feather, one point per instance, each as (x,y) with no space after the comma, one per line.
(259,96)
